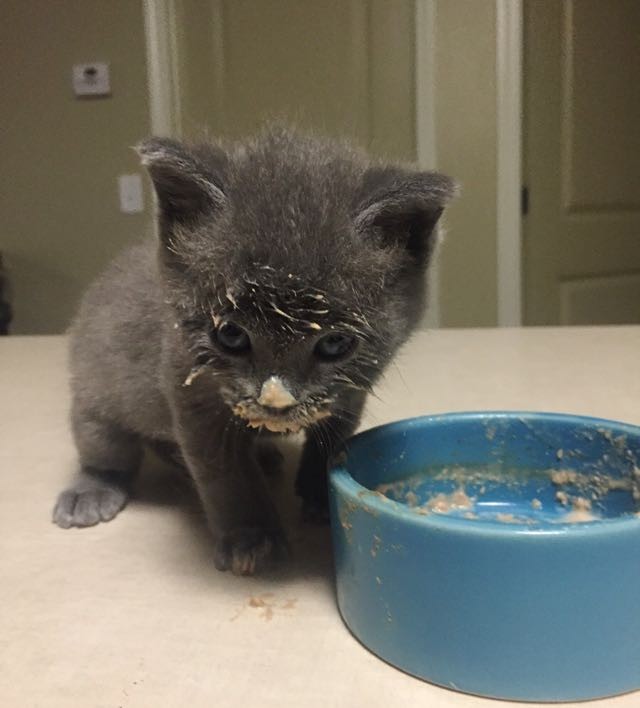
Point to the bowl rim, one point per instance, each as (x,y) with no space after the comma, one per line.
(373,502)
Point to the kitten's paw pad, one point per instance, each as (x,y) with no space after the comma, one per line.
(88,507)
(314,512)
(270,459)
(249,550)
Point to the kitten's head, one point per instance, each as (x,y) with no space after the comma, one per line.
(296,267)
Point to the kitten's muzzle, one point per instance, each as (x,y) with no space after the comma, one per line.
(278,410)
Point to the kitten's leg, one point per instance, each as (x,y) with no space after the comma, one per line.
(168,452)
(109,459)
(222,459)
(312,481)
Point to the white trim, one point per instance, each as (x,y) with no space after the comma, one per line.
(509,160)
(162,66)
(425,20)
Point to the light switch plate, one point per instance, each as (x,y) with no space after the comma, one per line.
(131,194)
(91,79)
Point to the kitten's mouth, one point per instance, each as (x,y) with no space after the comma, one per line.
(256,417)
(275,425)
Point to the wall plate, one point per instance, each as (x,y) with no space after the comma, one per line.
(91,79)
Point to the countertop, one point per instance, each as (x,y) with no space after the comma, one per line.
(132,613)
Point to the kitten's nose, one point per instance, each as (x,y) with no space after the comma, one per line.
(274,394)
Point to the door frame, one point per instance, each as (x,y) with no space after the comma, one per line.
(425,121)
(160,20)
(163,84)
(509,50)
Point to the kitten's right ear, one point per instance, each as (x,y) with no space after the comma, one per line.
(185,185)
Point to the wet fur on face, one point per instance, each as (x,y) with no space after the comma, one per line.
(289,270)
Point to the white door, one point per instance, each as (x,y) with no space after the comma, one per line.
(582,161)
(345,67)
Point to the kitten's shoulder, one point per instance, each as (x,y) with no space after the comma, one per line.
(125,300)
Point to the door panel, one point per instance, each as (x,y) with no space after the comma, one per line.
(343,67)
(601,108)
(606,300)
(581,148)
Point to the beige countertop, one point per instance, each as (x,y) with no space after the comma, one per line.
(132,613)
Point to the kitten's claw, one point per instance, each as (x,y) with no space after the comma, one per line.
(249,550)
(87,507)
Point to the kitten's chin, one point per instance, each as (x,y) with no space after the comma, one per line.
(275,426)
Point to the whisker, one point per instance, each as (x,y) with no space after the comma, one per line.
(399,370)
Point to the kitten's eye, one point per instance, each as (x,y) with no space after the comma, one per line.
(334,346)
(233,338)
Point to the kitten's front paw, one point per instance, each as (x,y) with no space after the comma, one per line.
(249,550)
(87,507)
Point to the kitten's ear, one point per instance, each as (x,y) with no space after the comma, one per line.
(186,183)
(399,207)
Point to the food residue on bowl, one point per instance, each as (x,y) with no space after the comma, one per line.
(595,485)
(580,509)
(411,498)
(441,503)
(515,496)
(444,503)
(579,516)
(564,476)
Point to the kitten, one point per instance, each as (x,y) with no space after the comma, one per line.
(289,271)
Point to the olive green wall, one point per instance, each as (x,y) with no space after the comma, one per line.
(59,215)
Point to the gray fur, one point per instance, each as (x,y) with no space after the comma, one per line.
(291,238)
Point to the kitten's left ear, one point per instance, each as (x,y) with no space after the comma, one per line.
(398,207)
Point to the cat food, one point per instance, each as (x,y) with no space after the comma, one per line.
(444,503)
(495,494)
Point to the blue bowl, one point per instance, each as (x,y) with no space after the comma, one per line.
(494,553)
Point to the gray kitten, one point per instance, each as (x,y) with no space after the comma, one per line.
(289,271)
